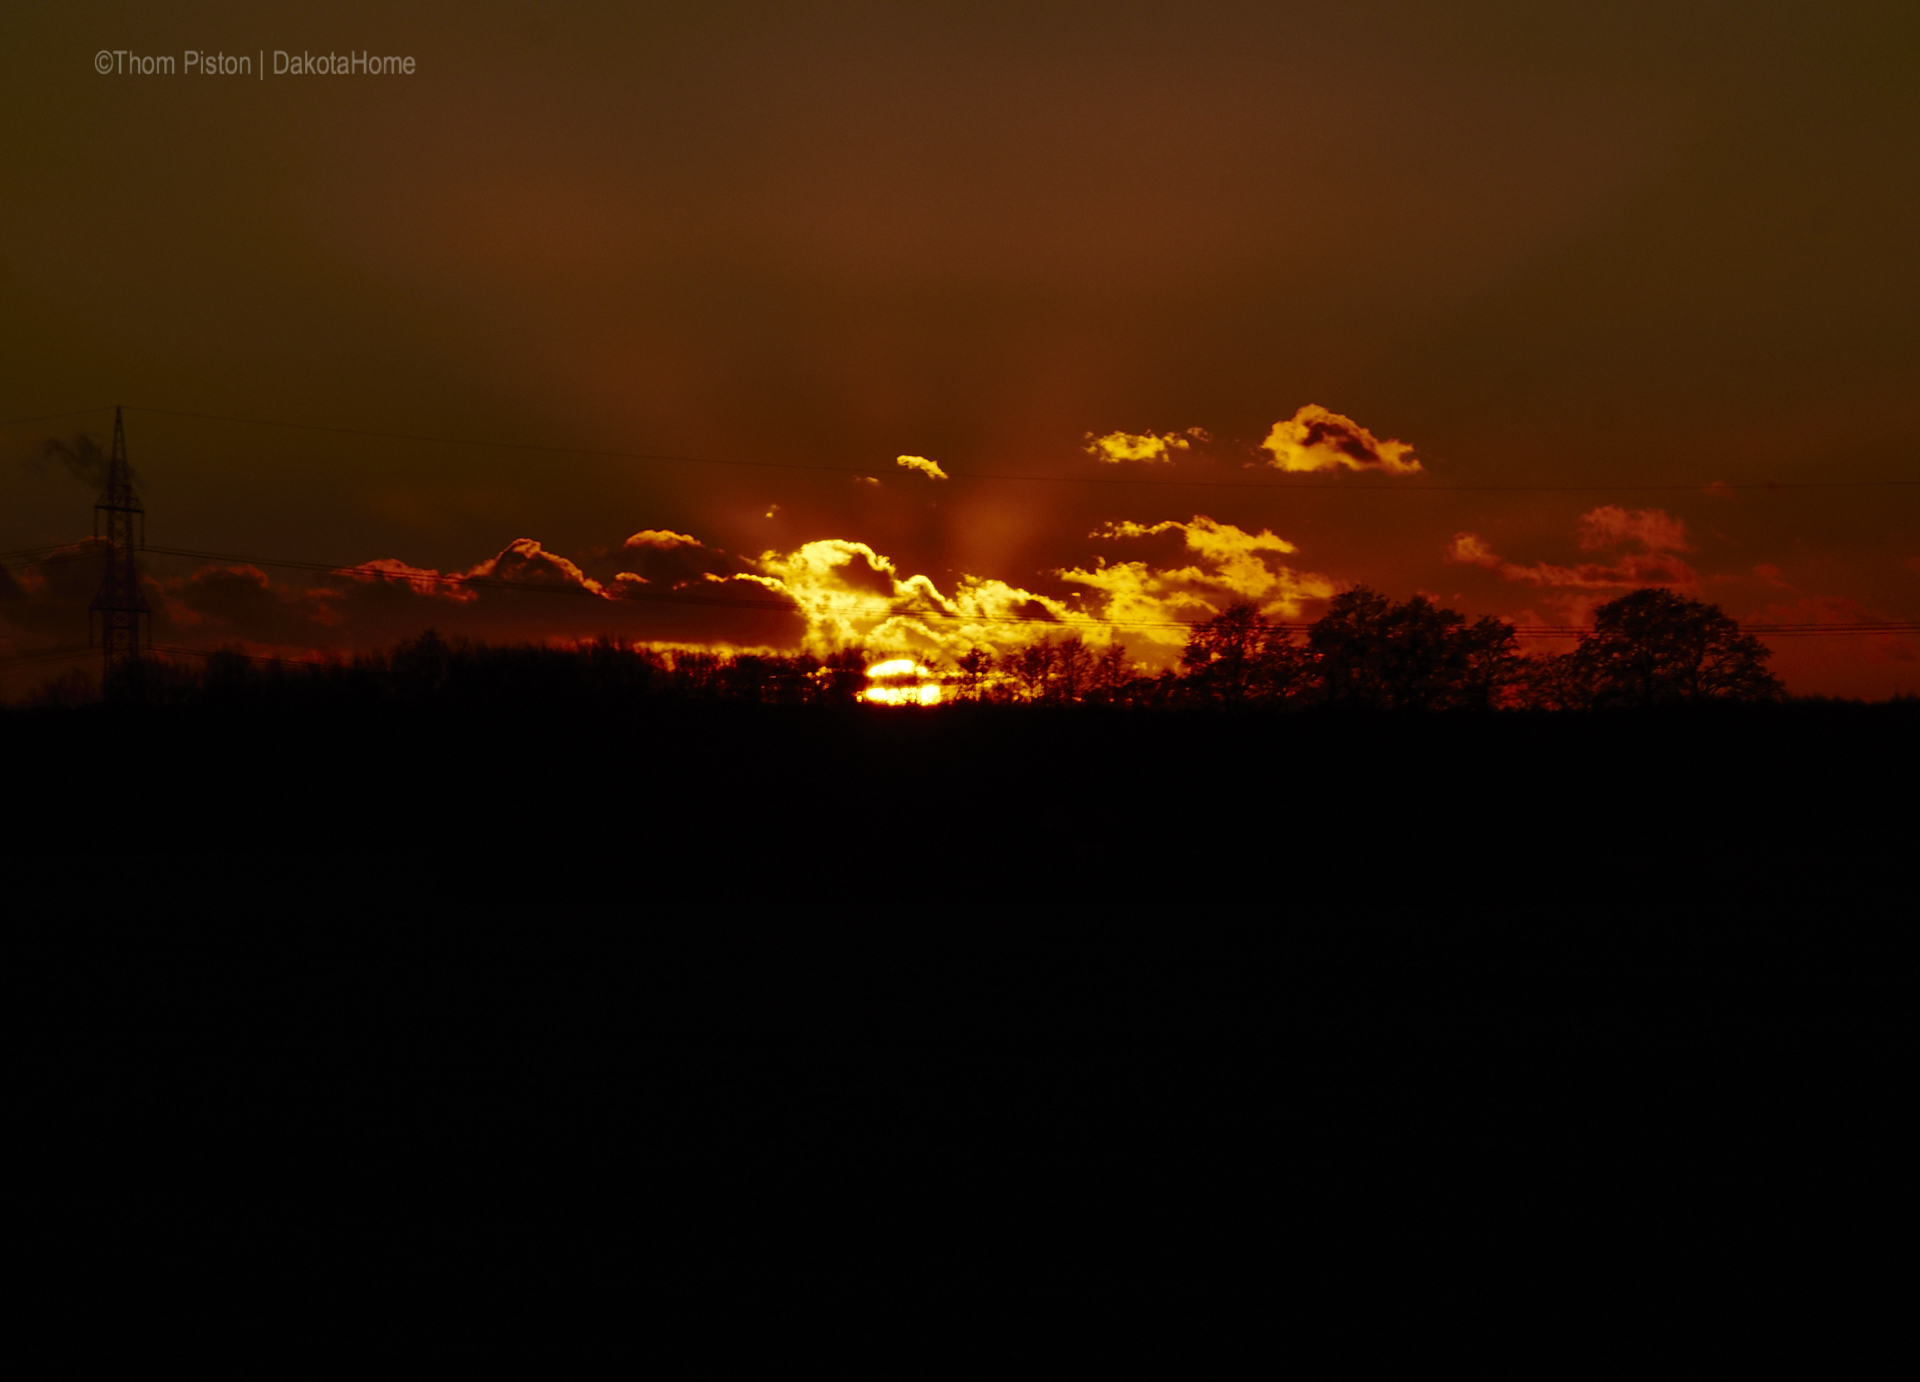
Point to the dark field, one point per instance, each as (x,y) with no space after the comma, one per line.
(1714,813)
(800,1020)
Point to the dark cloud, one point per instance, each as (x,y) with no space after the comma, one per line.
(51,597)
(242,603)
(523,593)
(664,560)
(1576,590)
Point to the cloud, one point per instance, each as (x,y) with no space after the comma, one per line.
(1143,446)
(669,587)
(663,539)
(1612,526)
(680,595)
(667,560)
(242,601)
(1657,534)
(849,593)
(1471,549)
(422,580)
(1226,565)
(1316,439)
(931,469)
(1631,570)
(525,562)
(49,599)
(1768,574)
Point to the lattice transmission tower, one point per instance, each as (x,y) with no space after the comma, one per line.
(119,605)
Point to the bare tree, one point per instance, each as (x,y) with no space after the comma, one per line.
(1072,668)
(976,666)
(1032,668)
(1111,671)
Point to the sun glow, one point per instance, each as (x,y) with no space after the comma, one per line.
(900,681)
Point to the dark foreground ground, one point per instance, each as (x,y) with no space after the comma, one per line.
(1497,1031)
(980,810)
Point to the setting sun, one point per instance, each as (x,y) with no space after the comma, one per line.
(901,681)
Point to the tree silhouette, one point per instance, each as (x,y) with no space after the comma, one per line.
(1111,672)
(1032,668)
(421,666)
(1554,682)
(1653,647)
(1072,668)
(1240,656)
(1412,656)
(843,675)
(976,665)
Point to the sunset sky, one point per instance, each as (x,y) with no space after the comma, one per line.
(1516,305)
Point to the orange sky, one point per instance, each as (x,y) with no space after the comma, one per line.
(1634,252)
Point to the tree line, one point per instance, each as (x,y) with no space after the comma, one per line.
(1650,647)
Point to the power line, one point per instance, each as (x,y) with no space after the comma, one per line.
(49,654)
(885,603)
(790,605)
(211,653)
(1522,631)
(59,551)
(889,605)
(367,571)
(49,417)
(91,549)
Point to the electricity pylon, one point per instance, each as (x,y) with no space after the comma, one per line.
(119,604)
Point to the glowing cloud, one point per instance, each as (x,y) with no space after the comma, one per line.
(525,562)
(931,469)
(851,594)
(661,538)
(1229,565)
(1144,446)
(1316,439)
(662,558)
